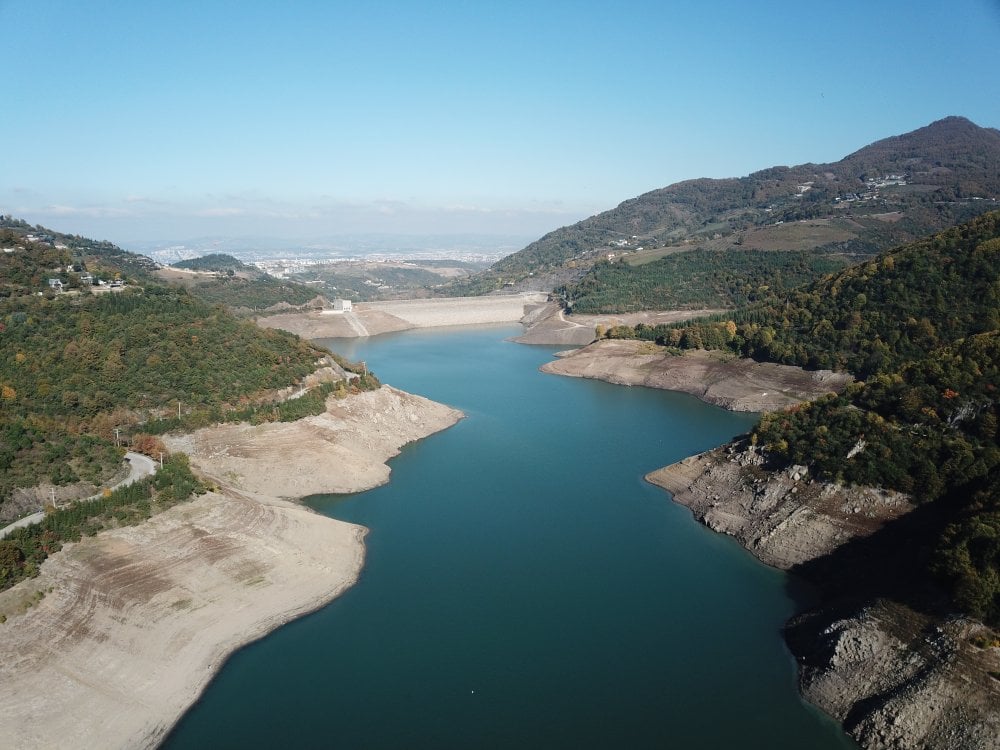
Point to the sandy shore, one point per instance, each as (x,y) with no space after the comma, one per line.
(735,384)
(121,632)
(373,318)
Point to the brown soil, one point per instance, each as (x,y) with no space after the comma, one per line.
(343,450)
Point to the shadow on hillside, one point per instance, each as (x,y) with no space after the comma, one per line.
(890,564)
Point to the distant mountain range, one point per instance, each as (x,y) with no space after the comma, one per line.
(892,191)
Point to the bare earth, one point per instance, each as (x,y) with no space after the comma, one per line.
(373,318)
(121,632)
(736,384)
(782,518)
(343,450)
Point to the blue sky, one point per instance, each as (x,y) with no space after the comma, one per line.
(174,119)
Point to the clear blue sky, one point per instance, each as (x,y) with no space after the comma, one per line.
(171,119)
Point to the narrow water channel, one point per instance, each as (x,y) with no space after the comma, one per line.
(524,587)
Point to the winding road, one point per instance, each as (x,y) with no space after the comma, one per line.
(140,467)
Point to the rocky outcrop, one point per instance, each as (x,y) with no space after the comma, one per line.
(784,518)
(25,500)
(893,677)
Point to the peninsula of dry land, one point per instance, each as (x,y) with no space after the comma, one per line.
(121,632)
(549,324)
(715,377)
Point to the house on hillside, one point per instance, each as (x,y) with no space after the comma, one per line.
(342,305)
(56,284)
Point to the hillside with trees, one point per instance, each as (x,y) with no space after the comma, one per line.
(101,258)
(694,280)
(78,369)
(240,293)
(920,327)
(222,279)
(890,192)
(219,262)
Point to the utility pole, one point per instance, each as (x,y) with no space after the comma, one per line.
(117,442)
(178,409)
(161,459)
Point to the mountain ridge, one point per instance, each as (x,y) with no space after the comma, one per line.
(893,190)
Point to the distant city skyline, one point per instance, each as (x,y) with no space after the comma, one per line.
(137,122)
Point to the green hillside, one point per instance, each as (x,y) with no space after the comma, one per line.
(226,280)
(695,280)
(77,364)
(100,258)
(920,326)
(255,293)
(891,192)
(877,316)
(214,262)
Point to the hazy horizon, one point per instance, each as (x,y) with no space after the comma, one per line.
(333,247)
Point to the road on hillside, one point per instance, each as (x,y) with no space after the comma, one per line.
(140,467)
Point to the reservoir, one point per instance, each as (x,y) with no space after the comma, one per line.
(524,587)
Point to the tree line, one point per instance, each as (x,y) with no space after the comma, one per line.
(80,375)
(920,327)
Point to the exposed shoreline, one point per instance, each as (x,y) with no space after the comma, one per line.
(121,632)
(343,450)
(892,676)
(714,377)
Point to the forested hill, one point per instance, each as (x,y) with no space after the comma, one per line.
(216,262)
(899,307)
(82,362)
(893,191)
(920,325)
(31,255)
(240,287)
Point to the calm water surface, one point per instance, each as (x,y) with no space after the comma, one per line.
(524,587)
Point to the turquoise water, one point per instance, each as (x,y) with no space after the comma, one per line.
(524,587)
